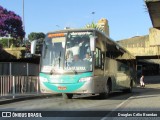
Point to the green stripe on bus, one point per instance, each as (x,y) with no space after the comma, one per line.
(68,87)
(70,83)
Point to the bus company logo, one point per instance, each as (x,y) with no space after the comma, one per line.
(6,114)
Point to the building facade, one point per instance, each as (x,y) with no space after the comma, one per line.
(147,50)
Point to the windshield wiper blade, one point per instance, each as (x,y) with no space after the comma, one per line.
(68,65)
(52,71)
(59,58)
(75,72)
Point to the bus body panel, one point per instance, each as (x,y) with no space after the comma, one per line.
(67,83)
(110,62)
(94,85)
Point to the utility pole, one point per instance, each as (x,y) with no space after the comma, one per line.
(23,17)
(159,59)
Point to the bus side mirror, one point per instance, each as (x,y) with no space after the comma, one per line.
(33,46)
(92,43)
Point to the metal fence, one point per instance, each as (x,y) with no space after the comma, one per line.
(19,69)
(18,85)
(18,78)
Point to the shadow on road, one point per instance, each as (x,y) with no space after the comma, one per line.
(150,90)
(114,95)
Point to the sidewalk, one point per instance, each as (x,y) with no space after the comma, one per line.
(16,98)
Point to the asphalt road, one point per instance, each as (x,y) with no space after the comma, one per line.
(118,105)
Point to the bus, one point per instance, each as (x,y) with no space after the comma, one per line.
(84,61)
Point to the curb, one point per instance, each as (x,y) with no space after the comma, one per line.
(28,97)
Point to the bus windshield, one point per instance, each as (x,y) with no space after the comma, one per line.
(53,52)
(69,53)
(78,55)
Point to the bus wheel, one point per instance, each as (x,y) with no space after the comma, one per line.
(106,93)
(67,95)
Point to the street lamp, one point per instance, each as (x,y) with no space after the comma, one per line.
(23,18)
(23,14)
(158,58)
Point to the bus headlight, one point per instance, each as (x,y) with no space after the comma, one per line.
(85,79)
(42,79)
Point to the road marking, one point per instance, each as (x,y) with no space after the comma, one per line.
(117,107)
(125,101)
(145,96)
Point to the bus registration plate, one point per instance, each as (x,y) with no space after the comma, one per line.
(61,88)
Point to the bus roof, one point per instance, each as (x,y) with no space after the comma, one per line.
(96,30)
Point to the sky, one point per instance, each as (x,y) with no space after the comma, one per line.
(127,18)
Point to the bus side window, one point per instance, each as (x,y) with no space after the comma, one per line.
(103,60)
(98,61)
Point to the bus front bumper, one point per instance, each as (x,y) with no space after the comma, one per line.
(83,86)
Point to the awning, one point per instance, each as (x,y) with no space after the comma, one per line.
(154,12)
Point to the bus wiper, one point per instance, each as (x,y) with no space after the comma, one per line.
(59,58)
(75,72)
(67,65)
(53,66)
(51,72)
(45,50)
(59,61)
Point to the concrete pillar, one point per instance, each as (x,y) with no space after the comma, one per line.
(103,23)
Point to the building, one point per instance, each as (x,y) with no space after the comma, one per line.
(147,51)
(154,12)
(103,23)
(147,48)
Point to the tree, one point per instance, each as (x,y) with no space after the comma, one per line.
(39,37)
(94,25)
(10,23)
(36,36)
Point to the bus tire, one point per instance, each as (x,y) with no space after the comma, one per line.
(106,93)
(67,95)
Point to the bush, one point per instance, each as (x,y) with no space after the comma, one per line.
(4,42)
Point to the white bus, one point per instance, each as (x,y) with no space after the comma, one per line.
(84,61)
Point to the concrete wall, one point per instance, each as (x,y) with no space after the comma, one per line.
(18,52)
(103,23)
(143,45)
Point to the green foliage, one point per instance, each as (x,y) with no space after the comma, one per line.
(10,23)
(95,26)
(36,36)
(5,41)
